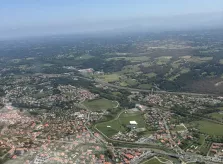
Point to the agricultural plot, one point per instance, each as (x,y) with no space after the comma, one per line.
(100,104)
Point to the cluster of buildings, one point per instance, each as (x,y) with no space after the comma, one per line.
(90,71)
(78,94)
(50,138)
(216,149)
(153,99)
(40,93)
(124,155)
(127,136)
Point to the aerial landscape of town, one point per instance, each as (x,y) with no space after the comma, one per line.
(146,98)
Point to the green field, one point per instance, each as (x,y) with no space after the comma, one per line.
(163,60)
(129,69)
(184,70)
(208,127)
(154,161)
(124,118)
(217,116)
(205,148)
(84,57)
(221,108)
(112,127)
(132,82)
(151,75)
(201,139)
(145,86)
(110,77)
(172,78)
(100,104)
(128,82)
(179,128)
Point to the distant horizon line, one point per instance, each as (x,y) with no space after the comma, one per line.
(106,33)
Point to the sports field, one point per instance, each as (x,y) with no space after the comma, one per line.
(120,123)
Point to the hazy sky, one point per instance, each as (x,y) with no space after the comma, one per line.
(30,17)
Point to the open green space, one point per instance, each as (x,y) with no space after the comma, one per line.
(151,75)
(176,64)
(201,139)
(131,82)
(217,116)
(109,77)
(172,159)
(123,84)
(163,60)
(184,70)
(128,82)
(112,127)
(154,161)
(84,57)
(124,119)
(179,128)
(172,78)
(205,148)
(208,127)
(130,69)
(221,108)
(100,104)
(221,61)
(145,86)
